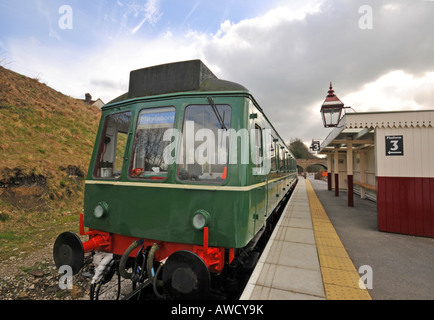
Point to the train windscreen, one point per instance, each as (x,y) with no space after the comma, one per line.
(148,160)
(205,149)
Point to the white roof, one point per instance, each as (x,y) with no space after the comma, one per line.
(358,127)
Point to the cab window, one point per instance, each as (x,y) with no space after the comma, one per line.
(112,147)
(205,144)
(148,161)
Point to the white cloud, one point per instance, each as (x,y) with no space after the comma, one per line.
(149,12)
(396,90)
(391,6)
(195,6)
(44,10)
(126,18)
(286,57)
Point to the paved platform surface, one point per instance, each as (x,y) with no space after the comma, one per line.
(289,266)
(402,265)
(320,245)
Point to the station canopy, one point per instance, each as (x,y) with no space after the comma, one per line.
(359,128)
(350,130)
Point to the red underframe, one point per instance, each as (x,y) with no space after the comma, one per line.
(214,257)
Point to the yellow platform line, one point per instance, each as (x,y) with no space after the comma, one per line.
(340,277)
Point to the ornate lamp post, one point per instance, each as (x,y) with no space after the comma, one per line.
(331,109)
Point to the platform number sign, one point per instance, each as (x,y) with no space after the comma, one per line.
(394,145)
(315,146)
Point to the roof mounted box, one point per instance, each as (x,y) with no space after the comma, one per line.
(169,78)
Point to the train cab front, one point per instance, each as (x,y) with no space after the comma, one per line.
(158,211)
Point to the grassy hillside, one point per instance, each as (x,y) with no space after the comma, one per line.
(46,140)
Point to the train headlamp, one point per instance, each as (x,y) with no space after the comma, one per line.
(201,219)
(100,210)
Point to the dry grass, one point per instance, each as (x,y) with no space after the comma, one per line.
(42,132)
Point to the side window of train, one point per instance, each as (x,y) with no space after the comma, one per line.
(112,146)
(148,161)
(288,162)
(281,157)
(204,154)
(258,146)
(273,152)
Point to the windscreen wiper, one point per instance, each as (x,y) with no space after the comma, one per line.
(214,108)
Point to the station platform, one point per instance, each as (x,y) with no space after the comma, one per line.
(305,258)
(320,244)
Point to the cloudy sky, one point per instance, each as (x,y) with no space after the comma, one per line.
(379,54)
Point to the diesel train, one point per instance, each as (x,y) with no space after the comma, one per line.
(185,175)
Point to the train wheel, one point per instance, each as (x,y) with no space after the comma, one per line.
(186,276)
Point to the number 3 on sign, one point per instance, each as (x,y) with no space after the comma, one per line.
(394,145)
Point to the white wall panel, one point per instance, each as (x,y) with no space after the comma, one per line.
(418,158)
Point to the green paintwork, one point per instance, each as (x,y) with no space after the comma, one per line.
(165,214)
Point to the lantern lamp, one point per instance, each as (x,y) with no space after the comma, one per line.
(331,109)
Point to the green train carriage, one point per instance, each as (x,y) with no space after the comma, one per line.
(183,162)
